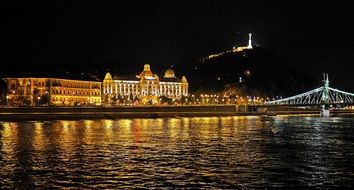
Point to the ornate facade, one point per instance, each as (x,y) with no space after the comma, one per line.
(52,91)
(146,88)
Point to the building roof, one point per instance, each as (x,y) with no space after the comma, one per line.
(170,80)
(146,72)
(131,78)
(108,76)
(169,74)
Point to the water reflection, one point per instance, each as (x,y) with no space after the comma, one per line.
(201,152)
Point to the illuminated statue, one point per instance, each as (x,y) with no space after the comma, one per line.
(249,41)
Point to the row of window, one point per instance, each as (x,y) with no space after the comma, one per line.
(147,89)
(77,92)
(75,86)
(85,86)
(37,83)
(83,100)
(163,93)
(120,91)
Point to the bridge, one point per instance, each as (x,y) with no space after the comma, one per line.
(323,96)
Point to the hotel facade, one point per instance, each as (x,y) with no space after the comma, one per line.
(145,88)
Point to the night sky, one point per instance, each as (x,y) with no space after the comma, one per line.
(315,38)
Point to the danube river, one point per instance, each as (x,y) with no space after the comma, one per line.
(206,152)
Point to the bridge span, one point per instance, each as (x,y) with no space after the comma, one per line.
(324,96)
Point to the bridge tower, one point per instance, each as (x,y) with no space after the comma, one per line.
(325,99)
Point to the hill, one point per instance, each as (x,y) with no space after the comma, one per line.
(256,72)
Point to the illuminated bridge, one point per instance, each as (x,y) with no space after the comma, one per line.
(324,96)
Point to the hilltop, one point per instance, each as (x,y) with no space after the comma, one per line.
(256,72)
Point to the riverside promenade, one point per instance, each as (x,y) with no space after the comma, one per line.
(52,113)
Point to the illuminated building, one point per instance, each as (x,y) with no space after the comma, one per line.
(52,91)
(146,87)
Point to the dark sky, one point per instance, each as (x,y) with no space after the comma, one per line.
(313,37)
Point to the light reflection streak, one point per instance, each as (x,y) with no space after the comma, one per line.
(125,126)
(88,123)
(136,133)
(67,135)
(172,126)
(9,138)
(88,137)
(108,124)
(39,143)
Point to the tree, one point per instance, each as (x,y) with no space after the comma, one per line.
(36,96)
(44,99)
(115,100)
(165,100)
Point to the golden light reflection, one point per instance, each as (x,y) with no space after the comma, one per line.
(157,125)
(65,125)
(158,122)
(125,123)
(242,123)
(125,127)
(227,128)
(207,127)
(108,123)
(184,128)
(7,129)
(88,131)
(145,123)
(9,138)
(173,127)
(226,121)
(38,136)
(186,121)
(136,133)
(10,130)
(88,123)
(67,135)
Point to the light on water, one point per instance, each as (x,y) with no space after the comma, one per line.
(204,152)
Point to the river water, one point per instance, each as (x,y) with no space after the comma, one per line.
(203,153)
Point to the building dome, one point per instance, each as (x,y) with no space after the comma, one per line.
(146,72)
(169,74)
(108,77)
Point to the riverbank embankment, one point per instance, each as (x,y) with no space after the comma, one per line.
(50,113)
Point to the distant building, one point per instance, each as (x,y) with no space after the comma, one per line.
(52,91)
(146,88)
